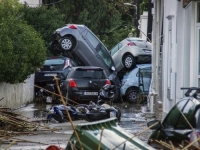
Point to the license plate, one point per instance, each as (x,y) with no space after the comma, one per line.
(90,93)
(50,74)
(147,51)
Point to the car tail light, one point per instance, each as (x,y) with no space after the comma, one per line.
(66,64)
(131,44)
(72,83)
(108,82)
(72,26)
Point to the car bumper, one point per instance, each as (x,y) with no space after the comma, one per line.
(80,96)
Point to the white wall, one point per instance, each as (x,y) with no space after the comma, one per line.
(16,95)
(143,25)
(32,3)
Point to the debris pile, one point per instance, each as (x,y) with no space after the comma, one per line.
(13,124)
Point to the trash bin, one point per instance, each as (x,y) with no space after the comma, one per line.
(104,135)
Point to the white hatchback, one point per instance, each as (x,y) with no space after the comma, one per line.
(136,82)
(131,51)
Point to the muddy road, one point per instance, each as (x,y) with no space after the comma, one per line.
(133,120)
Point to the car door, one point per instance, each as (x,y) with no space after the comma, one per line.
(102,57)
(144,78)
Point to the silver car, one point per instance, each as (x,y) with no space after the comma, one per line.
(131,51)
(136,82)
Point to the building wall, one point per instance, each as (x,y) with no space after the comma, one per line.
(32,3)
(143,25)
(180,53)
(17,95)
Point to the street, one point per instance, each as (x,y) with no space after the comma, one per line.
(133,120)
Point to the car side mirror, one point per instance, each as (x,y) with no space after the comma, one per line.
(154,125)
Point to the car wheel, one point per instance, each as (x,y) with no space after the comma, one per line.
(129,62)
(132,95)
(55,48)
(67,43)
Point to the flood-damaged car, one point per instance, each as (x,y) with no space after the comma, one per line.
(79,43)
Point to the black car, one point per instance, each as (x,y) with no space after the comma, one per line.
(83,83)
(182,124)
(78,42)
(55,66)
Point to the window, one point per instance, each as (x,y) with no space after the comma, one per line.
(173,116)
(144,72)
(90,74)
(115,49)
(101,49)
(188,112)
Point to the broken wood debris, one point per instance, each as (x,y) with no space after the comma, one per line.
(14,124)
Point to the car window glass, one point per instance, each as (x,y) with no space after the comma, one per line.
(172,117)
(188,112)
(197,117)
(54,62)
(101,49)
(144,72)
(115,49)
(145,59)
(105,55)
(73,63)
(92,39)
(91,74)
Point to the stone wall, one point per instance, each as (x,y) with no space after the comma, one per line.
(17,95)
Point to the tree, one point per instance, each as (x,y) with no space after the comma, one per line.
(103,17)
(22,49)
(44,19)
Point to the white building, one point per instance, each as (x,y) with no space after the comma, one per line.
(176,50)
(32,3)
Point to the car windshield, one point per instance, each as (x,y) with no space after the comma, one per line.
(55,64)
(175,119)
(90,74)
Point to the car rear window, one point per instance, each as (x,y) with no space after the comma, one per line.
(54,62)
(90,74)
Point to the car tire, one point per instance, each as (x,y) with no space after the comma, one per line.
(55,48)
(132,95)
(129,62)
(67,43)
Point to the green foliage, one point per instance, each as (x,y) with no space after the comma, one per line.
(22,49)
(103,17)
(144,6)
(44,19)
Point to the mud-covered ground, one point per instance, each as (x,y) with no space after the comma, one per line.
(133,120)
